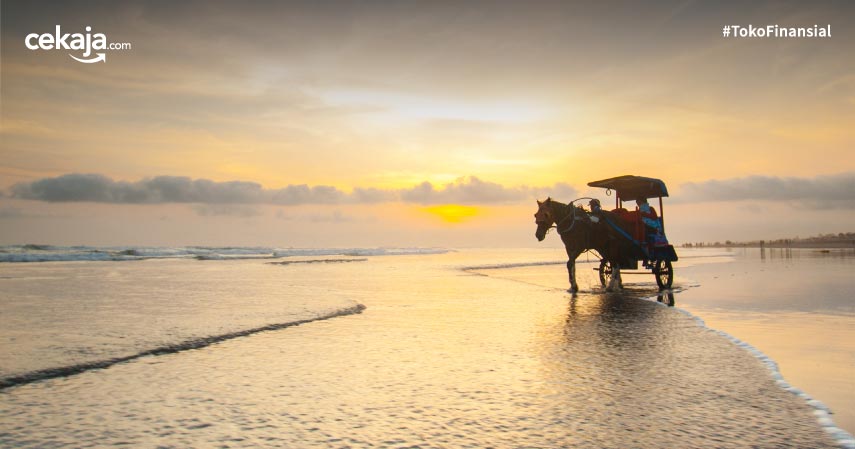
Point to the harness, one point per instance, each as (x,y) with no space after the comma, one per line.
(571,215)
(586,247)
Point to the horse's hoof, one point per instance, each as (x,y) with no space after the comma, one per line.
(573,290)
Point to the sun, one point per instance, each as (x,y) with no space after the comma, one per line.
(452,213)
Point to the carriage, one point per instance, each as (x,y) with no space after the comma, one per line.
(640,244)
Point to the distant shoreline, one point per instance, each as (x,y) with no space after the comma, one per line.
(792,245)
(823,241)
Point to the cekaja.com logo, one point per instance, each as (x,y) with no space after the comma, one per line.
(75,41)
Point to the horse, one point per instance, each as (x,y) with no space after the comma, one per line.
(579,233)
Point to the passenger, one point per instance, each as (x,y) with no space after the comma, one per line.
(648,216)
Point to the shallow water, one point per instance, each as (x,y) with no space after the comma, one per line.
(796,306)
(440,358)
(63,314)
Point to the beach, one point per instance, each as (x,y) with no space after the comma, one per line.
(466,348)
(312,225)
(796,306)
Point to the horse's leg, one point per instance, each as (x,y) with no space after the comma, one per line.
(572,254)
(571,271)
(613,250)
(616,282)
(615,271)
(617,256)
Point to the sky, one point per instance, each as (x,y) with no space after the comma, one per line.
(418,123)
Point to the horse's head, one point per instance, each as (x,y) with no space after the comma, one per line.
(544,218)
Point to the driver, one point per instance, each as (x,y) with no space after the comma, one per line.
(596,210)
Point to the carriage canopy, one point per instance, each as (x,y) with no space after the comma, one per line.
(631,188)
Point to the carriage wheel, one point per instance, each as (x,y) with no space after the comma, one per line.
(605,272)
(664,273)
(666,298)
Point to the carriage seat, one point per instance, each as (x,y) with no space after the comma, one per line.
(630,221)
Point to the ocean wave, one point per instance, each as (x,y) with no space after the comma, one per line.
(821,412)
(50,253)
(290,262)
(215,256)
(197,343)
(522,264)
(359,252)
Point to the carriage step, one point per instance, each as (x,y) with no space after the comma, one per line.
(623,272)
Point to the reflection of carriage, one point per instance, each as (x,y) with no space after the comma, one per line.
(645,235)
(621,237)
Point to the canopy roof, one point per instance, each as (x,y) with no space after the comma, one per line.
(631,188)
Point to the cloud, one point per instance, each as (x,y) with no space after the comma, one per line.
(820,192)
(373,195)
(475,191)
(303,194)
(174,189)
(169,189)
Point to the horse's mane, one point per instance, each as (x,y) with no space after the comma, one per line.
(566,205)
(560,204)
(611,216)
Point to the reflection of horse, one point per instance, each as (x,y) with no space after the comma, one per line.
(579,234)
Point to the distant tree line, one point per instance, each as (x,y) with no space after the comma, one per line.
(831,240)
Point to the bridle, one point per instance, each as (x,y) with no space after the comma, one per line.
(569,216)
(574,217)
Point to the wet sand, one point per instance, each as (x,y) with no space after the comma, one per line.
(796,306)
(440,358)
(793,306)
(814,352)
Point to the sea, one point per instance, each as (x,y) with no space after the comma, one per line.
(422,348)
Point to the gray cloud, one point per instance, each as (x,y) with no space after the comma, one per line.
(169,189)
(820,192)
(475,191)
(373,195)
(173,189)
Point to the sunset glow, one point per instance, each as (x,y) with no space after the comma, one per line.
(453,213)
(378,106)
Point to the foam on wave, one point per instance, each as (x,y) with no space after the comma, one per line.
(820,411)
(310,261)
(49,253)
(197,343)
(521,265)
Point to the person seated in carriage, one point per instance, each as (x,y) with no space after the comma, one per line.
(649,217)
(653,235)
(650,231)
